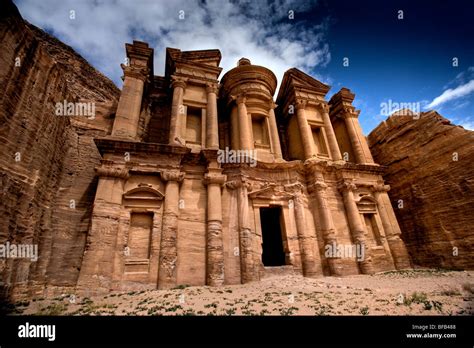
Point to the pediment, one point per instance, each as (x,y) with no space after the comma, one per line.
(144,192)
(300,79)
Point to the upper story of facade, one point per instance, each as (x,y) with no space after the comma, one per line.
(190,107)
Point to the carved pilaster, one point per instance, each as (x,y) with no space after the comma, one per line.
(347,188)
(305,241)
(396,245)
(247,262)
(330,134)
(168,247)
(357,139)
(274,136)
(214,244)
(178,85)
(304,128)
(244,124)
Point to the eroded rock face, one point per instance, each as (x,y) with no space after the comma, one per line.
(47,162)
(431,172)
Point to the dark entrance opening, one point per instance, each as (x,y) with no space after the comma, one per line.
(273,253)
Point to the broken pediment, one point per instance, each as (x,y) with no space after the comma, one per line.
(294,79)
(208,60)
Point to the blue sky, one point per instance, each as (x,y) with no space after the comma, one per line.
(408,60)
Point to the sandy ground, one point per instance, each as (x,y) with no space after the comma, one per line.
(421,292)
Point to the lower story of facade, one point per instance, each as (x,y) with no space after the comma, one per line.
(168,217)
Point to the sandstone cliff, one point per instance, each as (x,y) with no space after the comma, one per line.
(47,162)
(431,172)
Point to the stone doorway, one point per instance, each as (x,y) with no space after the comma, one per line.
(273,253)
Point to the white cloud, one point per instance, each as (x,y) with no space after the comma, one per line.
(253,29)
(451,94)
(468,125)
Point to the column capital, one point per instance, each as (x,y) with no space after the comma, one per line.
(272,105)
(238,183)
(178,82)
(300,103)
(323,106)
(136,72)
(212,88)
(295,188)
(214,178)
(380,187)
(317,186)
(346,185)
(113,172)
(172,175)
(349,111)
(240,98)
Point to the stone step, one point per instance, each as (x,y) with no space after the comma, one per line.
(278,271)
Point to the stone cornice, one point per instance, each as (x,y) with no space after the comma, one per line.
(114,145)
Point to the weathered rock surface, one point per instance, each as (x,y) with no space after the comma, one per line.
(47,179)
(431,172)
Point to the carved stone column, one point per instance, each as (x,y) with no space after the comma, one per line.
(177,110)
(169,247)
(214,245)
(397,247)
(98,260)
(306,248)
(318,189)
(305,129)
(347,189)
(275,138)
(331,136)
(247,263)
(357,139)
(212,132)
(245,126)
(128,109)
